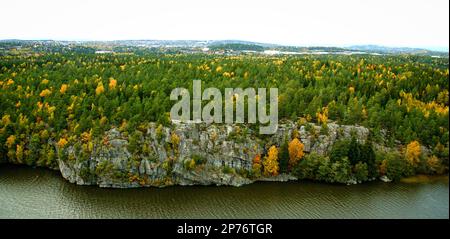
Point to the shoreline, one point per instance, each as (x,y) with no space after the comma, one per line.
(283,178)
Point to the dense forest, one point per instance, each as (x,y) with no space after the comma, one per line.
(68,96)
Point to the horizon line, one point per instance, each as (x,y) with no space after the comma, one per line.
(444,49)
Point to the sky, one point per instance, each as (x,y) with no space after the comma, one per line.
(395,23)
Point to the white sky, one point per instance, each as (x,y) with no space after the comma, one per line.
(411,23)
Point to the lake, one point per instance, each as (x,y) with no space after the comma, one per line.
(40,193)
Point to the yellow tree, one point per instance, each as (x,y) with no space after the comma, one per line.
(413,152)
(351,89)
(322,117)
(295,152)
(45,93)
(112,83)
(100,89)
(19,153)
(10,141)
(271,167)
(62,142)
(63,88)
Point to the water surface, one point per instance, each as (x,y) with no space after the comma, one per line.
(41,193)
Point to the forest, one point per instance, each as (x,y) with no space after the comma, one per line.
(59,98)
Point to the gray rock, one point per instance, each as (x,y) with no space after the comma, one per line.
(227,154)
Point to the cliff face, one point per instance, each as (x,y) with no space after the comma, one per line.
(188,154)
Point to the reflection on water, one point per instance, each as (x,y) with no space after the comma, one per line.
(40,193)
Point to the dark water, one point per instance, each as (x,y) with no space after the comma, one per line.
(40,193)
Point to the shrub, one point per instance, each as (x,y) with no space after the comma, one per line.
(244,173)
(340,149)
(395,166)
(341,170)
(160,133)
(228,170)
(324,170)
(324,129)
(361,172)
(168,166)
(434,165)
(256,170)
(189,164)
(198,159)
(308,167)
(104,167)
(134,142)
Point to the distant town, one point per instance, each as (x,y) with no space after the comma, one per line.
(223,47)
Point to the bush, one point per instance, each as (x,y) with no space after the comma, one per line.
(160,133)
(321,168)
(134,142)
(228,170)
(189,164)
(341,171)
(304,169)
(324,129)
(85,172)
(198,159)
(434,165)
(309,166)
(256,170)
(361,172)
(168,166)
(244,173)
(340,149)
(104,167)
(324,170)
(394,166)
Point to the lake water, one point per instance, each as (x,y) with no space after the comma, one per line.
(40,193)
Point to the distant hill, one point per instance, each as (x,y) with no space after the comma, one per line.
(397,50)
(235,46)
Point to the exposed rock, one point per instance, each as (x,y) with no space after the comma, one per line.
(279,178)
(385,179)
(223,154)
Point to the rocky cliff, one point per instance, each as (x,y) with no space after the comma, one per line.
(188,154)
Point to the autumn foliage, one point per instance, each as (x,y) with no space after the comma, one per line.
(256,167)
(63,88)
(45,93)
(322,116)
(271,167)
(295,152)
(100,89)
(62,142)
(112,83)
(399,98)
(413,153)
